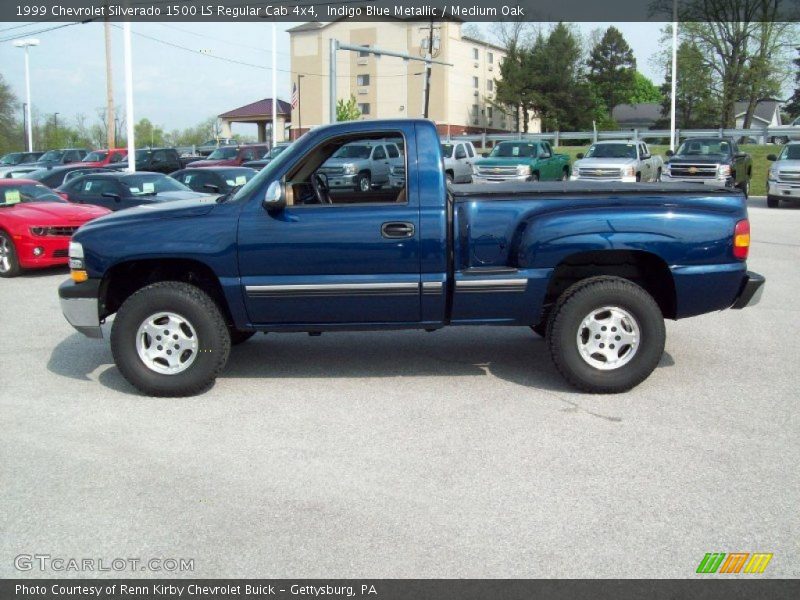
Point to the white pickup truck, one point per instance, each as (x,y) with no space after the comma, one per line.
(626,161)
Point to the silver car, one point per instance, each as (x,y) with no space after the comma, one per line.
(626,161)
(783,178)
(362,165)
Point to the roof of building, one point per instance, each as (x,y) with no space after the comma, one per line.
(765,109)
(259,108)
(648,112)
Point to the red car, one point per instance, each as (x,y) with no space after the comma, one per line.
(36,225)
(231,156)
(105,158)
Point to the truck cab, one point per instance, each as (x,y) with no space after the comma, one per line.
(521,161)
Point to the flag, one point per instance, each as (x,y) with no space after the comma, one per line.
(295,96)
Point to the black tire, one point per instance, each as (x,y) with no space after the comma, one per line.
(745,188)
(638,177)
(9,262)
(565,174)
(534,177)
(449,177)
(363,182)
(773,202)
(196,307)
(658,176)
(238,336)
(576,303)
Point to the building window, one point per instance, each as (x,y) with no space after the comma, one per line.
(490,57)
(490,84)
(363,53)
(475,82)
(475,54)
(362,79)
(363,108)
(489,112)
(475,110)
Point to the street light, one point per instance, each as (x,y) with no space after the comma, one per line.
(27,44)
(55,127)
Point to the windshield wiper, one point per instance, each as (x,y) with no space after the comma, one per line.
(225,197)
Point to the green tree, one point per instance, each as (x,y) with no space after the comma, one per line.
(695,103)
(512,89)
(793,107)
(612,69)
(9,127)
(147,134)
(645,90)
(347,111)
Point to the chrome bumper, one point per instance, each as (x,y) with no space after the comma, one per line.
(499,178)
(80,306)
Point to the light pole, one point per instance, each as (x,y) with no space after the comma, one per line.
(674,90)
(299,108)
(55,128)
(27,44)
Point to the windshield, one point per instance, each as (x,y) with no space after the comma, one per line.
(27,192)
(97,156)
(612,151)
(447,150)
(513,149)
(355,151)
(152,183)
(11,159)
(36,175)
(703,148)
(52,155)
(275,151)
(224,153)
(790,152)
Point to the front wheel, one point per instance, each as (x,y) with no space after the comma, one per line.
(606,335)
(9,263)
(364,182)
(773,202)
(170,339)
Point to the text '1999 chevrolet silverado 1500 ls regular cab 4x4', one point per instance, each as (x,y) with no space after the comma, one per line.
(595,268)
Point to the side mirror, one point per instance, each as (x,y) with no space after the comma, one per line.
(669,153)
(212,187)
(112,196)
(544,155)
(772,157)
(580,155)
(275,199)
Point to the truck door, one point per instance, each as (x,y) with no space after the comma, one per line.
(332,255)
(646,165)
(461,170)
(380,165)
(546,160)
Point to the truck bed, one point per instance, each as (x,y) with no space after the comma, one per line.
(580,188)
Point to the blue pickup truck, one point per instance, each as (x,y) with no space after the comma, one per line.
(594,268)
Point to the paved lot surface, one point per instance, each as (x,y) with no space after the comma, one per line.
(454,454)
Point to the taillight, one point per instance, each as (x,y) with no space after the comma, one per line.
(64,195)
(741,239)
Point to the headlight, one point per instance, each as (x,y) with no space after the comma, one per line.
(667,169)
(38,231)
(772,175)
(349,170)
(724,171)
(474,169)
(523,169)
(76,256)
(628,171)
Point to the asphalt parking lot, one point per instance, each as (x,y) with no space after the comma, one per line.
(459,453)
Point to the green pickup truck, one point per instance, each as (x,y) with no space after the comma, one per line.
(521,161)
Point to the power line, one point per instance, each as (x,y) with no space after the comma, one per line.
(39,31)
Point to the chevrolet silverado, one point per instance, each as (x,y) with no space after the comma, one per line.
(594,268)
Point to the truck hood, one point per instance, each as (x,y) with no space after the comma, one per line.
(213,163)
(509,161)
(788,164)
(708,159)
(604,162)
(341,162)
(156,211)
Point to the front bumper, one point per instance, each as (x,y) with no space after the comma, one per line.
(751,290)
(81,306)
(783,190)
(499,178)
(625,179)
(53,251)
(715,181)
(341,181)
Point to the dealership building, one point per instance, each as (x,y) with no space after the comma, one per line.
(386,87)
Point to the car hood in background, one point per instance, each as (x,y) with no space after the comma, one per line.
(505,161)
(711,159)
(227,162)
(604,162)
(49,213)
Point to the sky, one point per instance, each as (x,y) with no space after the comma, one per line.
(176,88)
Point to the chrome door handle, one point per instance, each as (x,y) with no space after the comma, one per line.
(397,229)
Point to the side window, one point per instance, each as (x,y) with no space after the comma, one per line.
(249,154)
(544,150)
(96,187)
(460,152)
(339,172)
(159,156)
(470,150)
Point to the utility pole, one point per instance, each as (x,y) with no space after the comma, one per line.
(126,30)
(674,92)
(274,85)
(55,128)
(428,57)
(25,44)
(110,124)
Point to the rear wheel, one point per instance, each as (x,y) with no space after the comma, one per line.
(9,263)
(534,177)
(658,175)
(745,187)
(565,174)
(606,335)
(170,339)
(773,202)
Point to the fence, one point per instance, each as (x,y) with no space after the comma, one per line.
(760,136)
